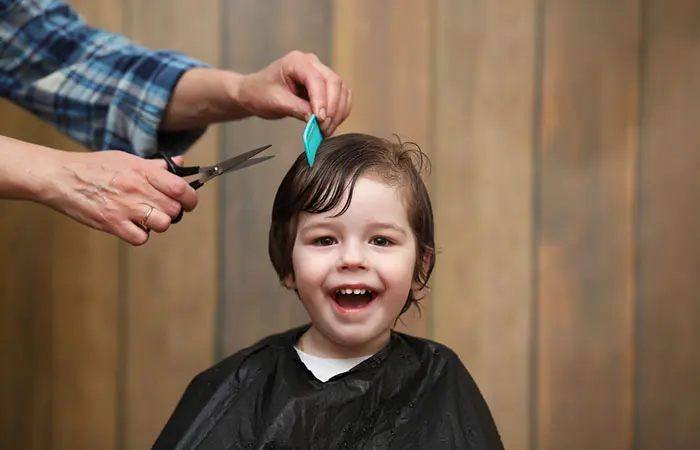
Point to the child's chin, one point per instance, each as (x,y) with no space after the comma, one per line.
(359,341)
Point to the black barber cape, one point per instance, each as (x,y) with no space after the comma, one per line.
(412,394)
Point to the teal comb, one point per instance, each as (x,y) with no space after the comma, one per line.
(312,139)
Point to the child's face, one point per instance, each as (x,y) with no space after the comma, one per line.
(369,250)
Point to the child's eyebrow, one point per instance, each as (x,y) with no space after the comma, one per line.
(311,224)
(388,225)
(329,223)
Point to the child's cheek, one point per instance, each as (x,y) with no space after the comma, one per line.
(311,266)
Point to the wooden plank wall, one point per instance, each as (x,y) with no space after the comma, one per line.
(667,373)
(484,57)
(585,224)
(168,308)
(562,136)
(58,310)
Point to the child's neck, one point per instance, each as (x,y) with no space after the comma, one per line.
(313,342)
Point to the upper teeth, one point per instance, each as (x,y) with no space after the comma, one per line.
(354,291)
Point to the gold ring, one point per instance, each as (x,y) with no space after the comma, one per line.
(147,215)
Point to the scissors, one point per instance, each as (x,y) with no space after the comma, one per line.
(210,172)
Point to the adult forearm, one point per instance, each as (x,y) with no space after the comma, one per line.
(204,96)
(20,163)
(97,87)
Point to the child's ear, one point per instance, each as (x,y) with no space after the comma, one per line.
(422,267)
(289,282)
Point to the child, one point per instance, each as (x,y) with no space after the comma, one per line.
(353,237)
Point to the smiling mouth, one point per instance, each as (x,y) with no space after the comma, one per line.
(354,298)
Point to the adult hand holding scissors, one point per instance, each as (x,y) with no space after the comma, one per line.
(206,174)
(110,191)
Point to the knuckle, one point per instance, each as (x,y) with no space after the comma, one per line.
(317,77)
(133,182)
(170,207)
(179,187)
(173,210)
(109,220)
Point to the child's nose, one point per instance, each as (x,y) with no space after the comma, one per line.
(352,257)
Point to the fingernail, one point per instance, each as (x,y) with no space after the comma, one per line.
(322,114)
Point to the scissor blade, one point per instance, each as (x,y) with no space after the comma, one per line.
(250,162)
(228,164)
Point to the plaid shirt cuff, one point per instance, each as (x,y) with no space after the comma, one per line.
(99,88)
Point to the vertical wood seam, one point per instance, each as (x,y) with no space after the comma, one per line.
(122,349)
(122,303)
(220,257)
(538,91)
(431,136)
(636,215)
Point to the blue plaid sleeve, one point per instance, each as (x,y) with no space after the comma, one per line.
(99,88)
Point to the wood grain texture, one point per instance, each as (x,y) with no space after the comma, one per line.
(382,51)
(254,304)
(58,302)
(85,325)
(484,56)
(171,283)
(563,215)
(26,302)
(586,213)
(668,363)
(84,338)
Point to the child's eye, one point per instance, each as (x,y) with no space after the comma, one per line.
(381,241)
(324,241)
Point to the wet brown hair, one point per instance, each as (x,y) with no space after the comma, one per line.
(340,161)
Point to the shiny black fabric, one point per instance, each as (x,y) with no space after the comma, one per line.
(413,394)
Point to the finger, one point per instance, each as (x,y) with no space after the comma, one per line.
(341,114)
(302,71)
(132,233)
(168,189)
(169,206)
(157,221)
(175,188)
(346,109)
(152,194)
(334,89)
(329,126)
